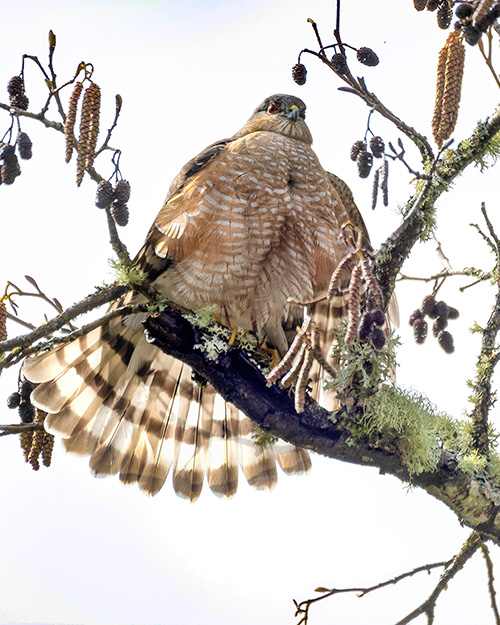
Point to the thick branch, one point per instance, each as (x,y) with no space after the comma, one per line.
(475,500)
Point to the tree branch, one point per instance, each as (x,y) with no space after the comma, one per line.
(474,499)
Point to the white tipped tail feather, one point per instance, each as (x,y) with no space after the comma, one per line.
(137,412)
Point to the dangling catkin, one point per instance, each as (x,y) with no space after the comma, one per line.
(69,124)
(448,88)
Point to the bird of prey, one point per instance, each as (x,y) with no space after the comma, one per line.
(250,222)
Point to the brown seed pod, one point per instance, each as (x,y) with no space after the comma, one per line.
(445,340)
(416,314)
(429,306)
(364,161)
(105,194)
(453,313)
(377,146)
(15,86)
(442,309)
(122,191)
(119,212)
(438,325)
(419,4)
(20,101)
(365,326)
(339,63)
(367,56)
(444,16)
(472,34)
(69,124)
(464,10)
(10,170)
(24,146)
(299,73)
(420,329)
(432,5)
(357,147)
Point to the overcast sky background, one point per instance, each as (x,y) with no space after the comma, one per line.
(77,550)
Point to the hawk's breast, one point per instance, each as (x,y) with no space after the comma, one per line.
(260,224)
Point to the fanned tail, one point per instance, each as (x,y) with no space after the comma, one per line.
(138,413)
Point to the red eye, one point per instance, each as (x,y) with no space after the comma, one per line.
(273,109)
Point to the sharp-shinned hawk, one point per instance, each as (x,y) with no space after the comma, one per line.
(251,221)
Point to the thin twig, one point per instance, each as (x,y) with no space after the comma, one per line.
(101,296)
(472,544)
(491,580)
(303,606)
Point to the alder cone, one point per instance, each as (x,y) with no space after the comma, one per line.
(299,73)
(419,4)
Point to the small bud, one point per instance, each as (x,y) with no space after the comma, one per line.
(367,56)
(299,73)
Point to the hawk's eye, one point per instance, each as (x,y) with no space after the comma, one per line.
(274,108)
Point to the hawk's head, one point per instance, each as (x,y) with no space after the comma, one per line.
(281,113)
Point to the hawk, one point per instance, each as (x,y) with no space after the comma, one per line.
(248,223)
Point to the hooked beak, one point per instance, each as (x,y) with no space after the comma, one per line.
(293,113)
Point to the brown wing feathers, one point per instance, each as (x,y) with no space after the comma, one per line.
(247,220)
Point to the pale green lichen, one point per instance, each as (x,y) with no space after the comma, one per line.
(217,340)
(126,275)
(261,438)
(409,419)
(361,367)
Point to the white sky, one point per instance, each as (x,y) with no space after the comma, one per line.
(77,550)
